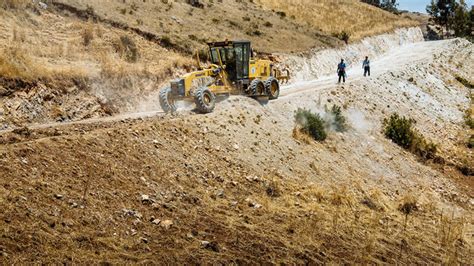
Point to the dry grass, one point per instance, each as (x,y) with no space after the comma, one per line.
(294,218)
(333,17)
(78,49)
(186,28)
(14,4)
(15,63)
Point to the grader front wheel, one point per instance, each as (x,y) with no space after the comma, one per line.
(256,88)
(167,102)
(205,100)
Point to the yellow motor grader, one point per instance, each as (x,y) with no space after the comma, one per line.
(233,70)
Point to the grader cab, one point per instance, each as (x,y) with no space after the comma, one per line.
(233,70)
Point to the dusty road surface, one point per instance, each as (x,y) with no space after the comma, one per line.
(239,186)
(394,60)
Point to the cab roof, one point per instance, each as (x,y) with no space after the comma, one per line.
(226,43)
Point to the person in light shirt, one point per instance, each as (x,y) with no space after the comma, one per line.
(366,66)
(341,71)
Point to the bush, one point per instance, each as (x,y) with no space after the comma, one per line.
(15,4)
(311,124)
(281,14)
(166,42)
(87,35)
(254,33)
(339,123)
(268,24)
(470,142)
(400,130)
(465,82)
(343,36)
(468,117)
(127,48)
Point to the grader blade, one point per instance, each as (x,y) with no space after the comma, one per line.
(282,76)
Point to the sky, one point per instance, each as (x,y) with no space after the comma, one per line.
(420,5)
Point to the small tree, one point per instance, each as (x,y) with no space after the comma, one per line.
(389,5)
(442,12)
(311,124)
(471,22)
(372,2)
(461,25)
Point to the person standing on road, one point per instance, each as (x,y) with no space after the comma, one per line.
(341,71)
(366,66)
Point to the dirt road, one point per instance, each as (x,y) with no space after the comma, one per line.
(394,60)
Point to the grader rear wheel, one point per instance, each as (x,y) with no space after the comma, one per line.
(205,100)
(272,88)
(167,102)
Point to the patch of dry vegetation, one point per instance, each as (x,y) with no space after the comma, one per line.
(14,4)
(357,19)
(186,28)
(15,63)
(79,49)
(218,213)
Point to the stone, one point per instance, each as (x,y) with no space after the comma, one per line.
(145,198)
(156,221)
(167,224)
(43,5)
(220,193)
(58,196)
(253,178)
(210,245)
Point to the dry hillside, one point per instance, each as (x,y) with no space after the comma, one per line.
(333,17)
(92,172)
(240,186)
(69,60)
(186,28)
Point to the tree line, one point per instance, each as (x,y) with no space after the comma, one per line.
(453,16)
(389,5)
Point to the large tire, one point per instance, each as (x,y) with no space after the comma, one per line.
(272,88)
(256,88)
(167,102)
(205,100)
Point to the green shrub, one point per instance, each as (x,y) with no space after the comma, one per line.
(339,122)
(400,130)
(311,124)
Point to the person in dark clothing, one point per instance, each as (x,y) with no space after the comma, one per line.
(341,71)
(366,66)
